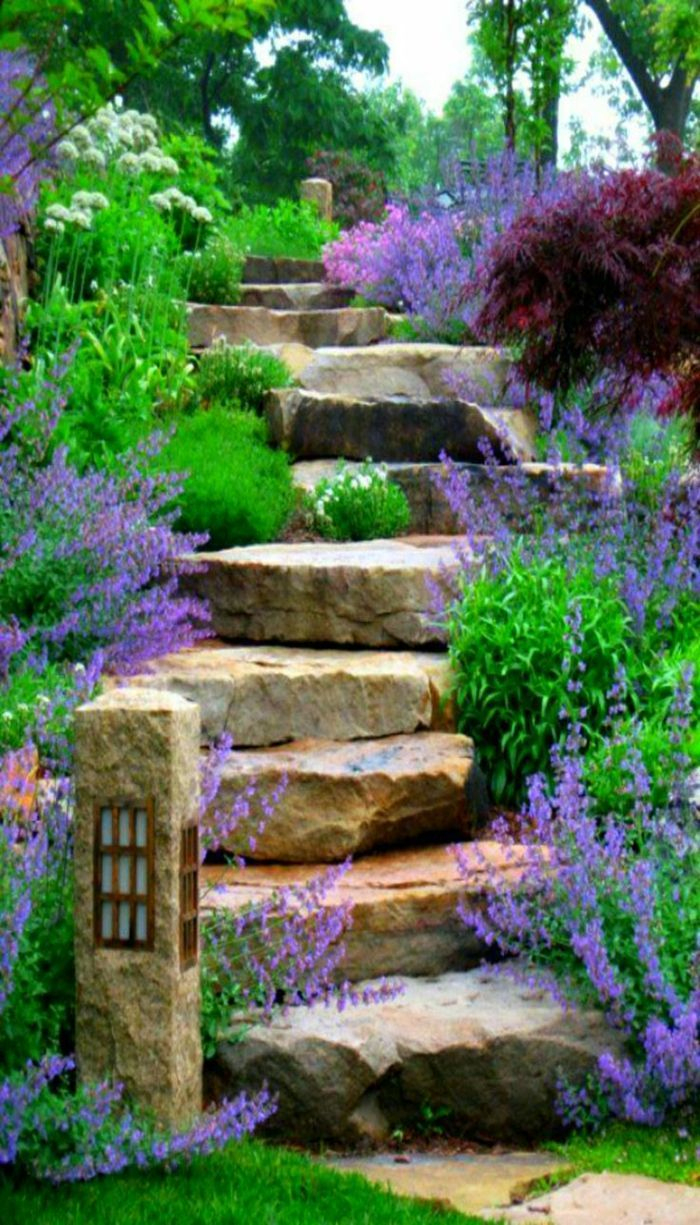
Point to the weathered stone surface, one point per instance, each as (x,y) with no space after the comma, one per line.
(417,371)
(487,1049)
(312,424)
(318,192)
(405,917)
(609,1199)
(14,291)
(267,695)
(374,593)
(465,1182)
(236,324)
(343,799)
(300,296)
(264,270)
(138,1011)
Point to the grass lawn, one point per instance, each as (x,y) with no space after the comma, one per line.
(250,1184)
(669,1153)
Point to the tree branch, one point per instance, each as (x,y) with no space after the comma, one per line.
(649,89)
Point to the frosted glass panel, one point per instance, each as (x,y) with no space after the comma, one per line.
(141,826)
(106,873)
(106,921)
(124,881)
(123,826)
(123,920)
(106,826)
(141,875)
(141,921)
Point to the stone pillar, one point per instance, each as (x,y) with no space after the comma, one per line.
(136,898)
(320,193)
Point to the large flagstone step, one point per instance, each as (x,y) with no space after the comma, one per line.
(404,904)
(415,371)
(312,295)
(268,270)
(266,695)
(374,593)
(487,1050)
(345,798)
(260,326)
(314,424)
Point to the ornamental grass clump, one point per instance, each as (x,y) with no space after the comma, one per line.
(239,376)
(359,503)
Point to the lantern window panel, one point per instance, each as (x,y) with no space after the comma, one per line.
(124,878)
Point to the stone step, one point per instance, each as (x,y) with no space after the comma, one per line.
(267,695)
(431,514)
(416,371)
(313,424)
(297,296)
(404,902)
(345,799)
(266,270)
(257,325)
(485,1048)
(373,593)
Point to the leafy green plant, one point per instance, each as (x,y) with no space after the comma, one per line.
(359,504)
(238,490)
(289,228)
(213,273)
(239,376)
(507,635)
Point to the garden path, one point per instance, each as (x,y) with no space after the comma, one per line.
(328,670)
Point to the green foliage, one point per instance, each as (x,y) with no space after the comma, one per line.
(27,696)
(507,638)
(251,1181)
(239,376)
(238,490)
(213,273)
(289,228)
(668,1153)
(359,504)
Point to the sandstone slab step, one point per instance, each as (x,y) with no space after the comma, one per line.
(608,1199)
(485,1048)
(299,296)
(267,695)
(465,1182)
(417,371)
(404,902)
(374,593)
(314,328)
(347,798)
(313,424)
(266,270)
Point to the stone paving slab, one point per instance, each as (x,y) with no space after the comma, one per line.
(267,270)
(258,325)
(375,593)
(299,296)
(419,371)
(609,1199)
(265,695)
(313,424)
(463,1182)
(345,799)
(484,1047)
(405,918)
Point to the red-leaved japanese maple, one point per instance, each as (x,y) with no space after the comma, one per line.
(603,271)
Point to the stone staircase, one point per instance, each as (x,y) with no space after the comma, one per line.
(328,671)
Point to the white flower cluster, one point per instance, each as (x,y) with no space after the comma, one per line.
(80,211)
(173,198)
(128,139)
(348,481)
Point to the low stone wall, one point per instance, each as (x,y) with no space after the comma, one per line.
(14,287)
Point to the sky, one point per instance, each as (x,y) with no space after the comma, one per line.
(427,41)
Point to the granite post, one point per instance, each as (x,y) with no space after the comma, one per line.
(136,899)
(318,192)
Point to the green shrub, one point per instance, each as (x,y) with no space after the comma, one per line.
(239,490)
(213,273)
(359,504)
(239,376)
(289,228)
(507,635)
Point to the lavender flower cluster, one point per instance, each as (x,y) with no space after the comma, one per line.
(26,128)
